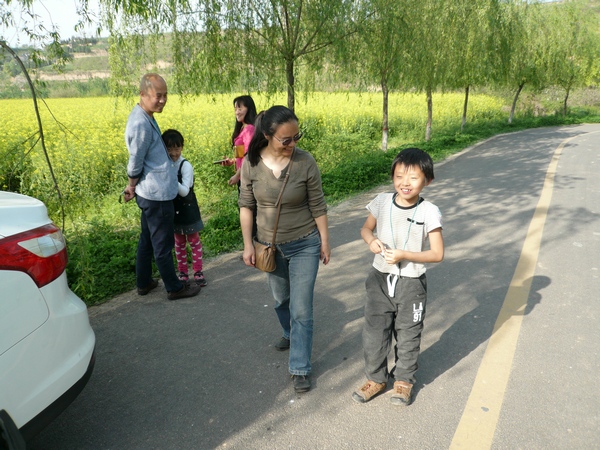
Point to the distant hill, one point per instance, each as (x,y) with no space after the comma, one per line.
(85,75)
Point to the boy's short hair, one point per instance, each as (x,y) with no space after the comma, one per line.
(414,157)
(172,138)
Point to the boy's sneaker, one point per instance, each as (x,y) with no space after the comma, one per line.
(188,290)
(183,276)
(367,391)
(199,279)
(301,383)
(402,393)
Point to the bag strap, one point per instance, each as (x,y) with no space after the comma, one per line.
(180,175)
(287,176)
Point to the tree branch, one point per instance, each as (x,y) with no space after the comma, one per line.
(40,128)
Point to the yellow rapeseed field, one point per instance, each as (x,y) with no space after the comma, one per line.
(85,136)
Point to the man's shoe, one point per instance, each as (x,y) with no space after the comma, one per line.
(367,391)
(282,344)
(188,290)
(301,383)
(144,291)
(402,393)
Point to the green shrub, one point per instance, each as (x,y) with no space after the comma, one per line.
(101,261)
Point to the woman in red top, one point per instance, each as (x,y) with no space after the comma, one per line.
(245,114)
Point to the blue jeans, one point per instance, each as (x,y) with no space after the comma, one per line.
(292,285)
(156,239)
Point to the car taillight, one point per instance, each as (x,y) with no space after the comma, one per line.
(41,253)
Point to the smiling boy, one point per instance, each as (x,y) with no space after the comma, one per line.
(397,228)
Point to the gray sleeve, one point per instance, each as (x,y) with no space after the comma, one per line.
(316,198)
(246,198)
(138,138)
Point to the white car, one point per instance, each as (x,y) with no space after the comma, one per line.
(46,341)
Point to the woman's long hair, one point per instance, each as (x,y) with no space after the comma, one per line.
(266,124)
(249,118)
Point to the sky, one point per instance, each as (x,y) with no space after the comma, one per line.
(62,13)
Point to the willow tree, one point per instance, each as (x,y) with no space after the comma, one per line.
(428,61)
(379,52)
(473,45)
(573,45)
(524,31)
(219,45)
(48,38)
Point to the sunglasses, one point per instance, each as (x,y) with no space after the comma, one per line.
(288,141)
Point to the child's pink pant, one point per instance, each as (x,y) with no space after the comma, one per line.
(181,241)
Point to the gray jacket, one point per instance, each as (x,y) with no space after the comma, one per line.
(148,158)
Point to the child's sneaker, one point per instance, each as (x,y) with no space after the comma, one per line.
(402,393)
(199,279)
(367,391)
(183,276)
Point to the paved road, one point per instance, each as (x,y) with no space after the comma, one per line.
(510,356)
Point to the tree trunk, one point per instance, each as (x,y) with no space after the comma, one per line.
(514,103)
(289,72)
(384,138)
(429,115)
(465,106)
(565,102)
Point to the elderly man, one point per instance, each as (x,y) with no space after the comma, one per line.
(153,182)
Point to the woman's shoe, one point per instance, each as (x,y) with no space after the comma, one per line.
(282,344)
(301,383)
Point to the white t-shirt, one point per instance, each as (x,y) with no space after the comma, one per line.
(403,228)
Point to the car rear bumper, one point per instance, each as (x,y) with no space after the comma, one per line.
(39,369)
(39,422)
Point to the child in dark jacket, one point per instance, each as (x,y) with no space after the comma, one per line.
(188,222)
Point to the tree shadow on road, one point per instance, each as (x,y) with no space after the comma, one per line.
(471,330)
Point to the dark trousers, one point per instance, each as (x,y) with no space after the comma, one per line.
(156,239)
(400,316)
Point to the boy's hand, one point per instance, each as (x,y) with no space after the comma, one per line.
(376,246)
(393,256)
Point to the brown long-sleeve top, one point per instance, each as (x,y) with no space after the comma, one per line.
(302,199)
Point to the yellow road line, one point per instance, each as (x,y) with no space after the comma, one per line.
(480,416)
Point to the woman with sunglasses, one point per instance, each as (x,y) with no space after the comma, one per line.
(302,238)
